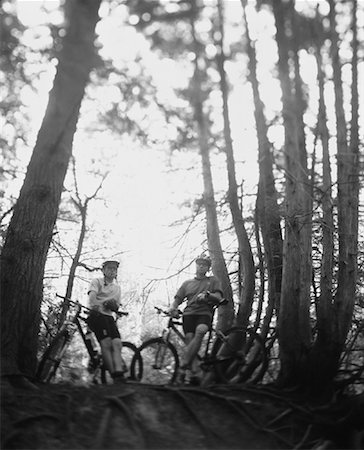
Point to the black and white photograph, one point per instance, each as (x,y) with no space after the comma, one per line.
(182,224)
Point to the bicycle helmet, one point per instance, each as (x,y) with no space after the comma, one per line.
(110,262)
(203,259)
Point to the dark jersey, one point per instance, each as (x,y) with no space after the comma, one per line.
(191,288)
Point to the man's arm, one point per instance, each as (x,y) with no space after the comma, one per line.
(173,310)
(210,297)
(92,301)
(178,299)
(114,303)
(214,298)
(214,295)
(111,305)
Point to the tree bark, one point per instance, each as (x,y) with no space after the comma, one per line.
(268,211)
(246,265)
(335,315)
(82,207)
(348,186)
(341,310)
(324,310)
(30,230)
(294,319)
(226,313)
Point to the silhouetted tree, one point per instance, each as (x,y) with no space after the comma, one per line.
(30,230)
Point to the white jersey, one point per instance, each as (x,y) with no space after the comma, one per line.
(104,292)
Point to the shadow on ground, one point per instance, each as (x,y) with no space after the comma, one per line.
(136,416)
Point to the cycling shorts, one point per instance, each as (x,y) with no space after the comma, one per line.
(103,326)
(191,321)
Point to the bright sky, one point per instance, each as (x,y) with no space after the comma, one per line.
(143,199)
(142,196)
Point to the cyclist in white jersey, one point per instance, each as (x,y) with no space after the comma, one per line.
(104,299)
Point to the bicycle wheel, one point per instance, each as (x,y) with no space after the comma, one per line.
(160,362)
(132,362)
(51,358)
(247,364)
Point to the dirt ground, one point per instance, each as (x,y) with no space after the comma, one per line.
(136,416)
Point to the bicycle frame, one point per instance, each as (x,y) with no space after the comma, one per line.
(76,321)
(77,318)
(236,354)
(172,327)
(53,355)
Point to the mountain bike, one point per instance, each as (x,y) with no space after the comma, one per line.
(54,359)
(236,356)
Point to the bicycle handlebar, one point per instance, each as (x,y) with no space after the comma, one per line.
(166,313)
(80,306)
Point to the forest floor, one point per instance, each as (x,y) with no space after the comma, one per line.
(138,416)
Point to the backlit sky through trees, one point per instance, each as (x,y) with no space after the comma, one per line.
(149,188)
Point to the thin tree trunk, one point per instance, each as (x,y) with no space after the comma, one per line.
(226,313)
(82,207)
(321,353)
(306,183)
(247,266)
(30,230)
(348,188)
(324,310)
(75,260)
(294,324)
(261,266)
(267,199)
(334,318)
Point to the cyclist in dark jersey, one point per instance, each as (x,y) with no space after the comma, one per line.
(201,293)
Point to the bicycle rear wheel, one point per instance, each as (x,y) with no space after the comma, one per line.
(132,361)
(160,362)
(247,364)
(52,357)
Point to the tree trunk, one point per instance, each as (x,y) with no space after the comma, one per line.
(324,310)
(267,199)
(302,170)
(82,207)
(336,316)
(30,230)
(226,313)
(348,187)
(246,265)
(294,323)
(75,260)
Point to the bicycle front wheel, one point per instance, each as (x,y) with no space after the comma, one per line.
(132,364)
(160,362)
(52,357)
(247,364)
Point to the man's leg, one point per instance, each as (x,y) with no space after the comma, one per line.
(106,351)
(116,355)
(194,345)
(181,377)
(188,339)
